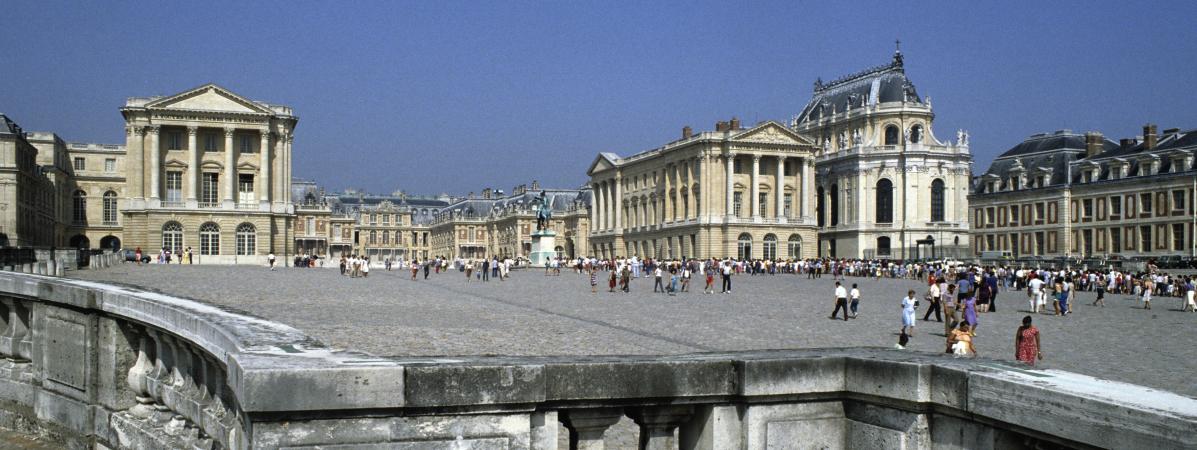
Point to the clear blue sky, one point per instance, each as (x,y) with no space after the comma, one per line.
(454,96)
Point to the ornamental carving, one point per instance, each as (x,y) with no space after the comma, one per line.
(771,135)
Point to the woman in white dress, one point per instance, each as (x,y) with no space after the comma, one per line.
(908,313)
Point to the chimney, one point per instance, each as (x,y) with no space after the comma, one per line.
(1126,143)
(535,185)
(687,132)
(1149,136)
(721,126)
(1093,143)
(486,193)
(735,124)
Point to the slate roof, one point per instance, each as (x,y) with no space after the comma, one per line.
(879,84)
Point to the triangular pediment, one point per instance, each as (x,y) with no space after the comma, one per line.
(247,166)
(773,133)
(603,162)
(175,164)
(209,97)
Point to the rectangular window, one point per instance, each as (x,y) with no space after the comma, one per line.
(80,163)
(386,237)
(174,140)
(373,218)
(737,200)
(209,142)
(1145,238)
(1014,215)
(247,144)
(762,203)
(245,189)
(737,167)
(1115,240)
(373,236)
(1039,243)
(110,165)
(1145,203)
(1178,202)
(386,219)
(1115,207)
(1040,214)
(787,204)
(990,218)
(174,187)
(1087,209)
(1178,236)
(209,193)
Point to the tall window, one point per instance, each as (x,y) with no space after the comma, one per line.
(209,142)
(883,248)
(1178,236)
(209,239)
(386,219)
(311,229)
(174,140)
(373,236)
(819,206)
(110,208)
(1115,240)
(737,200)
(891,135)
(744,246)
(174,187)
(110,165)
(172,237)
(762,203)
(1145,239)
(80,208)
(80,163)
(247,239)
(916,134)
(245,189)
(787,201)
(834,210)
(209,186)
(1145,203)
(885,201)
(795,246)
(386,236)
(247,144)
(770,248)
(937,197)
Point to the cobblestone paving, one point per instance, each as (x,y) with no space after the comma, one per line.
(530,314)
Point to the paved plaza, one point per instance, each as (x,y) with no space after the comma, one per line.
(387,314)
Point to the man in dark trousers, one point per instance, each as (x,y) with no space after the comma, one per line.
(841,301)
(485,270)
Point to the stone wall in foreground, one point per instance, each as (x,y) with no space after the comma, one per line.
(102,366)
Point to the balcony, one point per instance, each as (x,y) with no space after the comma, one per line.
(209,204)
(247,206)
(173,204)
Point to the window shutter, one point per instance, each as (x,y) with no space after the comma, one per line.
(1129,208)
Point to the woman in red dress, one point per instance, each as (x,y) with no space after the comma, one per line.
(1026,343)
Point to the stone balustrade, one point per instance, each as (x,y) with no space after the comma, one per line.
(96,365)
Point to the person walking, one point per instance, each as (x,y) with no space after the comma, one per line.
(908,313)
(1026,343)
(727,273)
(415,268)
(854,295)
(1148,286)
(593,280)
(949,309)
(710,278)
(970,313)
(486,269)
(841,301)
(1035,294)
(933,295)
(1101,297)
(657,284)
(1190,296)
(270,258)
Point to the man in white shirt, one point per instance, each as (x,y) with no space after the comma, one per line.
(270,258)
(841,301)
(727,273)
(1035,292)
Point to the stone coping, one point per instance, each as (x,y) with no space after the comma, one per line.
(276,369)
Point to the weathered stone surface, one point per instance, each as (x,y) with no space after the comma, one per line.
(638,378)
(470,384)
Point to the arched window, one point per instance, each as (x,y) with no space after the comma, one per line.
(770,247)
(247,239)
(209,239)
(819,206)
(110,208)
(891,135)
(885,201)
(883,246)
(744,246)
(80,208)
(937,191)
(835,204)
(795,246)
(172,237)
(916,134)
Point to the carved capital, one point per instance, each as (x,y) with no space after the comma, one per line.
(756,158)
(153,130)
(228,132)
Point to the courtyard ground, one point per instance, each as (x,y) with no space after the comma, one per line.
(387,314)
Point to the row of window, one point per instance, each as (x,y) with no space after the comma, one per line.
(769,247)
(1090,241)
(210,142)
(80,164)
(883,211)
(79,208)
(209,238)
(1142,205)
(209,188)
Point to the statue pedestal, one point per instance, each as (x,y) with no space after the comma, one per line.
(544,243)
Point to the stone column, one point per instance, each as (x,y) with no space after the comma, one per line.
(780,185)
(618,203)
(155,164)
(731,186)
(586,426)
(593,207)
(657,425)
(701,192)
(285,183)
(669,186)
(136,170)
(193,166)
(230,168)
(807,187)
(756,174)
(264,182)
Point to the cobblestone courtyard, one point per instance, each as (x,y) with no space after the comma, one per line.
(387,314)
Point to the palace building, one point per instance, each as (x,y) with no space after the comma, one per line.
(887,187)
(728,192)
(499,225)
(1082,196)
